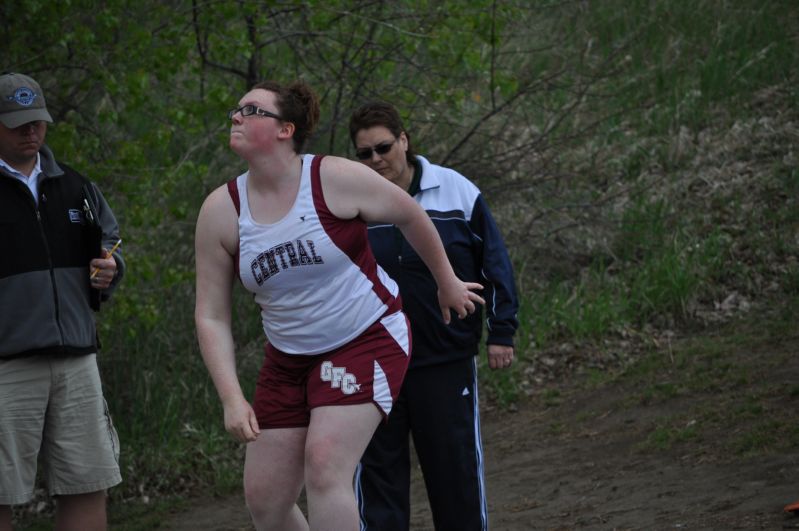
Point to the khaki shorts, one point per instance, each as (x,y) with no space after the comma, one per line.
(54,404)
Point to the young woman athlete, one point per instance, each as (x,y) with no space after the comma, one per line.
(293,228)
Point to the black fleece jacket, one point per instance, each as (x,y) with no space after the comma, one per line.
(46,300)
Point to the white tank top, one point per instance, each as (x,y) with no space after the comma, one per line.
(312,274)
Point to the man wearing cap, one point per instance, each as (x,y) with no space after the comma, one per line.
(55,227)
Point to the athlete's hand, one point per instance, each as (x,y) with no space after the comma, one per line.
(500,356)
(240,420)
(459,296)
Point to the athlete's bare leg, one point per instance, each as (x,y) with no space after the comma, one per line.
(337,438)
(273,476)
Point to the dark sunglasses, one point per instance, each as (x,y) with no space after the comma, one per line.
(248,110)
(380,149)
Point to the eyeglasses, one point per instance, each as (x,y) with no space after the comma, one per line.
(248,110)
(380,149)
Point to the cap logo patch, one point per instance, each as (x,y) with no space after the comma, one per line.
(24,96)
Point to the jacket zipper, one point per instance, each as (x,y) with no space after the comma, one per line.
(49,265)
(398,241)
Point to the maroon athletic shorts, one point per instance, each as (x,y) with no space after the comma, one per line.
(370,368)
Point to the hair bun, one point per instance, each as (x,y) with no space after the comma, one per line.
(305,96)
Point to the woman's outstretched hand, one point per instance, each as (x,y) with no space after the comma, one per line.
(459,296)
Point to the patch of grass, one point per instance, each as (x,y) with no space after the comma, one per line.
(765,436)
(659,269)
(749,406)
(556,428)
(596,377)
(664,437)
(731,388)
(687,57)
(659,391)
(790,283)
(702,364)
(551,397)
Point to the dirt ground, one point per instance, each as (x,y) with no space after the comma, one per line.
(580,464)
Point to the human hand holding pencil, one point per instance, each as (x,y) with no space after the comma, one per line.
(104,268)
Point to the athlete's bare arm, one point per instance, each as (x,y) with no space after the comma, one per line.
(216,240)
(352,189)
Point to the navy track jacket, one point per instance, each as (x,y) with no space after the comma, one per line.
(477,253)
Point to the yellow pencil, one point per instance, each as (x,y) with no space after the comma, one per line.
(114,248)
